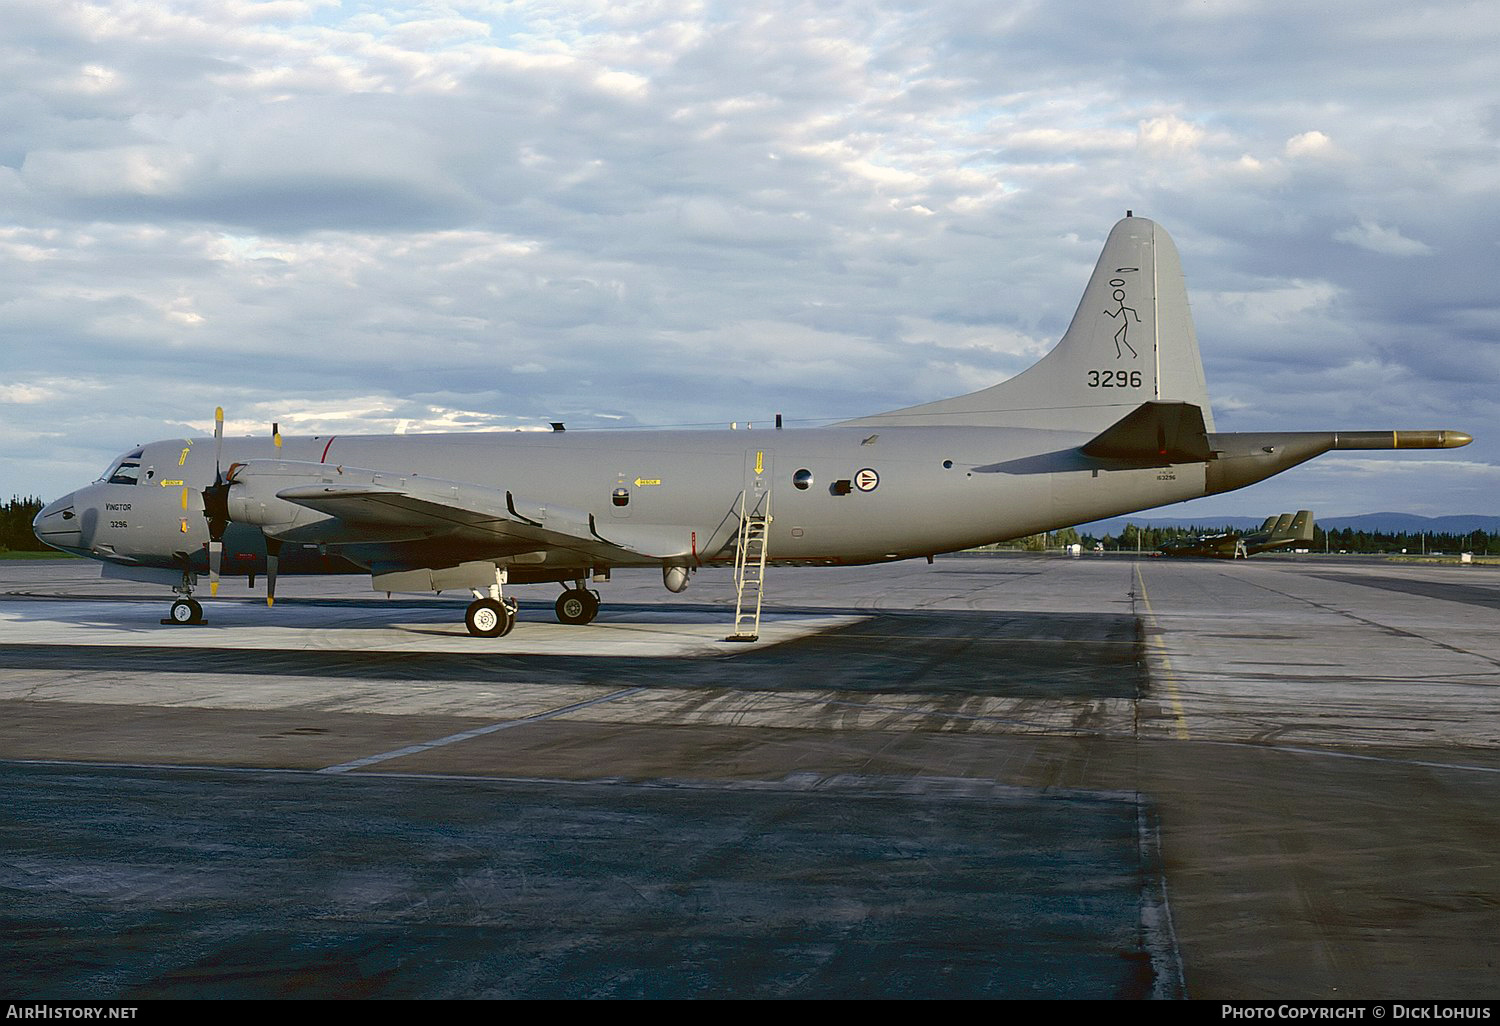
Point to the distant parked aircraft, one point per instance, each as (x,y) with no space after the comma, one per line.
(1283,532)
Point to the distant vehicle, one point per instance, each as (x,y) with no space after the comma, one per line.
(1281,532)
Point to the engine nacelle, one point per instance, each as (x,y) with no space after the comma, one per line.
(253,499)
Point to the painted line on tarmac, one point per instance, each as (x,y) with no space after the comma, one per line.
(370,760)
(1169,675)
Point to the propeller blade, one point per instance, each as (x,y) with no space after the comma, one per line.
(215,506)
(273,553)
(215,556)
(276,433)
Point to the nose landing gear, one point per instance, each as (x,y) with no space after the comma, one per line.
(186,611)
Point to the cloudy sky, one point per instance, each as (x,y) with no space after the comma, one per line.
(365,217)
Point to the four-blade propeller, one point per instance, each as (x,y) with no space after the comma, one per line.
(216,512)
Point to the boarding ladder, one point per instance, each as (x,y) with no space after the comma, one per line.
(750,562)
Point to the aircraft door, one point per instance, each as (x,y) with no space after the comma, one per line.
(757,482)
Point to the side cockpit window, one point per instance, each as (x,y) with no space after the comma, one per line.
(126,471)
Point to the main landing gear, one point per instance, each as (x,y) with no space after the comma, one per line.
(493,615)
(490,618)
(577,605)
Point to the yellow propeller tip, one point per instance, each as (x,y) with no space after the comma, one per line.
(213,589)
(270,600)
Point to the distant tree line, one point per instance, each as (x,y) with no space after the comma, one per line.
(1349,540)
(15,525)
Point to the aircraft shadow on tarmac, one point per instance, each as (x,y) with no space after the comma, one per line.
(1005,653)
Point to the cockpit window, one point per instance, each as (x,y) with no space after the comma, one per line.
(125,470)
(128,472)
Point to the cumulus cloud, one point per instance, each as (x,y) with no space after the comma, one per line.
(1309,144)
(1379,239)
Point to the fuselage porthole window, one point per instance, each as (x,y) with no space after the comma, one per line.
(802,479)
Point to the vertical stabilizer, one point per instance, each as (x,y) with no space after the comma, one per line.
(1302,526)
(1130,341)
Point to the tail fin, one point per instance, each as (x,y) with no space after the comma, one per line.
(1131,341)
(1302,526)
(1283,526)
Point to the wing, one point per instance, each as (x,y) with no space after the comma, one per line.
(316,502)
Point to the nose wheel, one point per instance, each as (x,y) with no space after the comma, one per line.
(185,611)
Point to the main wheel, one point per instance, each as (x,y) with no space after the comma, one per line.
(577,606)
(487,618)
(186,611)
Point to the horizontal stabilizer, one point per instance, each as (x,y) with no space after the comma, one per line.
(1155,432)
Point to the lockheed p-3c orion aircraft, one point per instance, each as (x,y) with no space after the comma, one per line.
(1114,419)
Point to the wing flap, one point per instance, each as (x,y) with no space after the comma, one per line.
(432,507)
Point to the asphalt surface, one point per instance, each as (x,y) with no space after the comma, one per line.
(1009,776)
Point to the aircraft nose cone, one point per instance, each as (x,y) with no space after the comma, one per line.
(59,524)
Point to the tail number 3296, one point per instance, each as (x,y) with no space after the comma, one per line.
(1114,379)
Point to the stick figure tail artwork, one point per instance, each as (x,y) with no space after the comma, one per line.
(1130,341)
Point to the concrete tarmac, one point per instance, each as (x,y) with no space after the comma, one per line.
(990,776)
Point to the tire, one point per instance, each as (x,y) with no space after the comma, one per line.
(186,611)
(487,618)
(576,606)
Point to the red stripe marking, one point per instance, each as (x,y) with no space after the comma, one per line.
(324,458)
